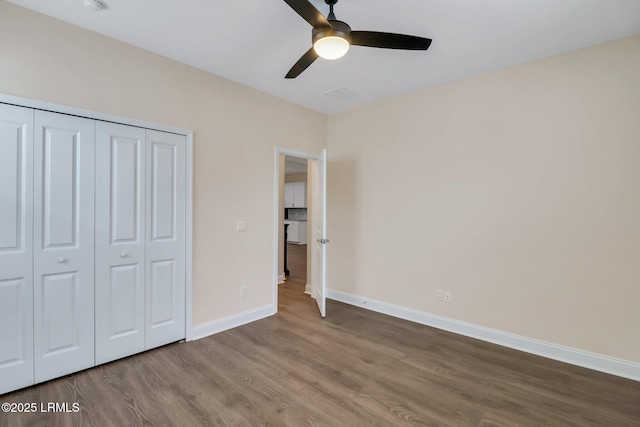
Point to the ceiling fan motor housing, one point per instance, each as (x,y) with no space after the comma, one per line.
(338,29)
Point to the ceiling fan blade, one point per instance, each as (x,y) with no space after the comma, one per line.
(389,40)
(302,64)
(309,13)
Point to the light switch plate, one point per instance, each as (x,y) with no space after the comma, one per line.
(241,226)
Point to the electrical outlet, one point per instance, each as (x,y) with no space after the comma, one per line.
(243,292)
(448,296)
(440,295)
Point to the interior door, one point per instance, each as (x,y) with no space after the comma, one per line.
(16,247)
(120,241)
(63,244)
(166,238)
(319,224)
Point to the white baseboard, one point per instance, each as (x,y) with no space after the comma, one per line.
(281,279)
(585,359)
(307,289)
(230,322)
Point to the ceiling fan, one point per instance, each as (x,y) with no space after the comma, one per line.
(332,38)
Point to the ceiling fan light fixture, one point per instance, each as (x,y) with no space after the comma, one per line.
(332,43)
(331,47)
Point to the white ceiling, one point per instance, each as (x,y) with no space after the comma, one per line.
(255,42)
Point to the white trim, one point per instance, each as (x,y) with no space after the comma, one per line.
(276,209)
(230,322)
(276,228)
(307,289)
(585,359)
(81,112)
(296,153)
(189,241)
(281,279)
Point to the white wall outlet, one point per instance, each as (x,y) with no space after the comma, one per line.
(241,226)
(440,295)
(448,296)
(243,292)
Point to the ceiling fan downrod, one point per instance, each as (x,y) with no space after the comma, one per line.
(332,16)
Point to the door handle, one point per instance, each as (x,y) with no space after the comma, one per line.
(124,255)
(62,260)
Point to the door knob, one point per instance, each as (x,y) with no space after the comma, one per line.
(124,255)
(62,260)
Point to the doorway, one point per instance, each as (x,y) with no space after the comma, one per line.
(296,211)
(299,193)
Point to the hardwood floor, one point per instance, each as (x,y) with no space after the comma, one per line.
(354,368)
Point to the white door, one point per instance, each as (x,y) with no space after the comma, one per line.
(16,248)
(319,224)
(63,244)
(166,238)
(120,241)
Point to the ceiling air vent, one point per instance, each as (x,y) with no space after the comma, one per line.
(341,93)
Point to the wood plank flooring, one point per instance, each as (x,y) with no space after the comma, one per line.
(354,368)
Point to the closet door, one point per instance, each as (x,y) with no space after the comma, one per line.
(165,220)
(120,242)
(63,244)
(16,247)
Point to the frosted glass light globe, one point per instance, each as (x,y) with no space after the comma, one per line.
(331,47)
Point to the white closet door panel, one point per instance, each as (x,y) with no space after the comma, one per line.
(120,242)
(164,159)
(60,313)
(16,334)
(165,238)
(162,296)
(16,176)
(16,248)
(60,190)
(63,244)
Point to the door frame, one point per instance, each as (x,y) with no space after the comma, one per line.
(276,210)
(188,133)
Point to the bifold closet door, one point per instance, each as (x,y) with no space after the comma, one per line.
(120,241)
(16,247)
(165,224)
(63,244)
(140,240)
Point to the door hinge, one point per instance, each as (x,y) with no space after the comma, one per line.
(322,241)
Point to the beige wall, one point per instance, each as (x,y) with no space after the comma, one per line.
(518,190)
(235,132)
